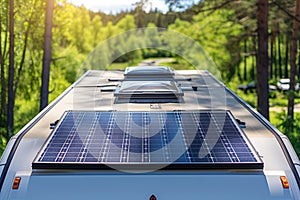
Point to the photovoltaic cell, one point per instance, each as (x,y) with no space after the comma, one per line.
(175,140)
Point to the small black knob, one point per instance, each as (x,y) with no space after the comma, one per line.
(153,197)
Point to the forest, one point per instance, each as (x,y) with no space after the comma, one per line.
(228,31)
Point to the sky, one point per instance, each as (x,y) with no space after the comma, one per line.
(115,6)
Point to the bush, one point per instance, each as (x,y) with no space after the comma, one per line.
(290,127)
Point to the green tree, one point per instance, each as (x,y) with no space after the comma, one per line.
(11,71)
(262,58)
(3,63)
(47,54)
(215,33)
(293,61)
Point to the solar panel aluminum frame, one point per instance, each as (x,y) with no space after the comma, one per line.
(138,166)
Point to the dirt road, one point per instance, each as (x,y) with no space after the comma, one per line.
(154,62)
(279,109)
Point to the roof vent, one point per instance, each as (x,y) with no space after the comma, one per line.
(148,84)
(148,91)
(148,73)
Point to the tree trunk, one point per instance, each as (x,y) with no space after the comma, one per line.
(2,73)
(271,63)
(274,60)
(262,58)
(286,64)
(279,55)
(22,62)
(293,62)
(3,88)
(47,55)
(254,58)
(298,72)
(11,98)
(245,60)
(3,54)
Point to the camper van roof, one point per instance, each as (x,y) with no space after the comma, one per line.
(210,145)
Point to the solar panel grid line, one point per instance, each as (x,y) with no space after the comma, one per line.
(167,134)
(246,146)
(144,142)
(125,142)
(44,154)
(203,135)
(122,152)
(65,144)
(74,130)
(57,158)
(220,130)
(106,139)
(164,139)
(136,138)
(183,134)
(144,134)
(105,148)
(112,134)
(189,132)
(227,141)
(99,137)
(88,137)
(230,148)
(130,137)
(167,139)
(79,129)
(87,141)
(199,130)
(116,155)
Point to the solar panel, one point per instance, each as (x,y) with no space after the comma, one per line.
(145,140)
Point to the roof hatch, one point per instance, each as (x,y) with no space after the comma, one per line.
(148,73)
(147,85)
(148,91)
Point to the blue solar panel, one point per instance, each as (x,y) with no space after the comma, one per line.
(173,140)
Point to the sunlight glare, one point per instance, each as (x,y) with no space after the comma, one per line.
(114,6)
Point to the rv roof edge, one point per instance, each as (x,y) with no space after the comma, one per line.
(277,134)
(18,137)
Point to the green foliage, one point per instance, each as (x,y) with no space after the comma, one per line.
(215,33)
(288,126)
(25,111)
(3,142)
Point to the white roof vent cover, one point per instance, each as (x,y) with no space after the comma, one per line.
(149,71)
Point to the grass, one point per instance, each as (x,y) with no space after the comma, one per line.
(291,128)
(177,66)
(122,66)
(117,66)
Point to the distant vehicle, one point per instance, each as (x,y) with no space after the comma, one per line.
(284,85)
(272,88)
(249,87)
(252,86)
